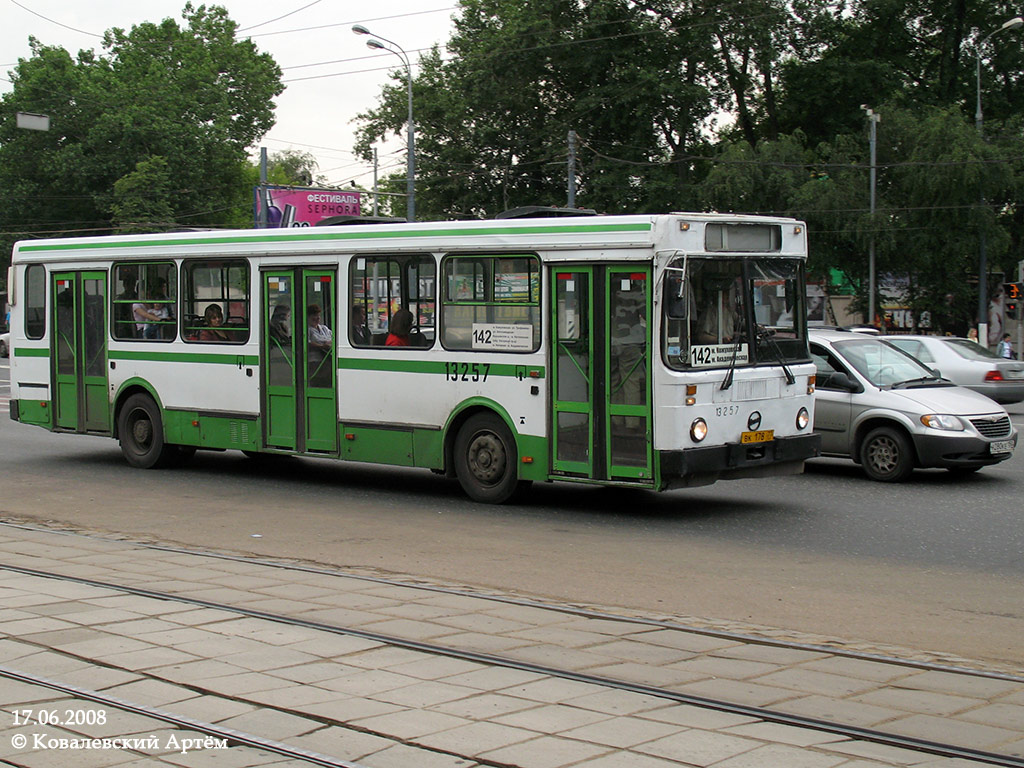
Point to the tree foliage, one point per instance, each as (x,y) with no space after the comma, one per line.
(151,132)
(747,106)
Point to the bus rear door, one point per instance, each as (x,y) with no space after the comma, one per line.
(601,373)
(300,411)
(79,352)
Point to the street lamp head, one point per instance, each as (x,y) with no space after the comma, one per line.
(359,29)
(1015,23)
(376,45)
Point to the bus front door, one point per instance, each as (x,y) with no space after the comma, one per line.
(601,366)
(299,369)
(79,352)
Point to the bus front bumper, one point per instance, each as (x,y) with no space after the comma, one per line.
(700,466)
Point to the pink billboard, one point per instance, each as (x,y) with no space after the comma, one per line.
(295,207)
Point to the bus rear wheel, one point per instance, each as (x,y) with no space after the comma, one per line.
(486,459)
(141,434)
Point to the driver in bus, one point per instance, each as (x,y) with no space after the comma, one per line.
(723,307)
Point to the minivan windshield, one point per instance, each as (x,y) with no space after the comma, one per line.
(883,364)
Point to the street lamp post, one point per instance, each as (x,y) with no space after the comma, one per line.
(410,184)
(1015,23)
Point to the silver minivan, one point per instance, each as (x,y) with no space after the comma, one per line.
(882,408)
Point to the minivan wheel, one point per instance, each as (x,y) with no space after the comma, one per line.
(886,455)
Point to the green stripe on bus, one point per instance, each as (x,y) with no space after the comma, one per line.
(31,352)
(183,357)
(442,367)
(356,234)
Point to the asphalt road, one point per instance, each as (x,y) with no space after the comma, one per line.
(935,563)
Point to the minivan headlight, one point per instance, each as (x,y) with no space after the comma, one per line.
(942,421)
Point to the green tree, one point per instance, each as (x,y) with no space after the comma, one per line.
(142,198)
(293,167)
(188,99)
(493,119)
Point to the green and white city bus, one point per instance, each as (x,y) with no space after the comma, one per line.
(650,351)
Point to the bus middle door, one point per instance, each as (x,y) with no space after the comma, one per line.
(79,352)
(601,373)
(299,363)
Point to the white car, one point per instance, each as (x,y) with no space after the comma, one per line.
(968,364)
(5,344)
(887,411)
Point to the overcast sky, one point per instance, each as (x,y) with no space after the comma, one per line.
(329,74)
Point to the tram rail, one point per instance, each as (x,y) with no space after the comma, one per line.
(765,714)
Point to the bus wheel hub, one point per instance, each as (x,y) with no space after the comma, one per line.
(487,458)
(142,431)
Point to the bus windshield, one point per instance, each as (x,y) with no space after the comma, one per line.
(725,312)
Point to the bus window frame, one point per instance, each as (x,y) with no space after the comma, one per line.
(189,302)
(141,297)
(535,278)
(404,262)
(40,322)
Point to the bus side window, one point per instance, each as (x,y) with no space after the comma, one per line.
(380,286)
(145,303)
(486,294)
(35,301)
(216,283)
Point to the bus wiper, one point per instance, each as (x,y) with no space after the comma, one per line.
(727,381)
(768,337)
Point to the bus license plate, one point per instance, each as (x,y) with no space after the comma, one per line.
(1001,446)
(761,437)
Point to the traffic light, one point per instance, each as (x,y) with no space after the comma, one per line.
(1013,294)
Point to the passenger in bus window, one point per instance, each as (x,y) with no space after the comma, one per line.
(144,319)
(280,325)
(161,310)
(214,319)
(398,331)
(320,336)
(361,336)
(320,340)
(124,327)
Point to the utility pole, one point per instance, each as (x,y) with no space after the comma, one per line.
(262,222)
(572,170)
(1020,314)
(375,196)
(873,119)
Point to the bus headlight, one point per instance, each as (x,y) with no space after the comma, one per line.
(803,418)
(698,430)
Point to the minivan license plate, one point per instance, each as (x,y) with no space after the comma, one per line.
(759,437)
(1001,446)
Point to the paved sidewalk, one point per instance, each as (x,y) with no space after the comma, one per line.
(383,706)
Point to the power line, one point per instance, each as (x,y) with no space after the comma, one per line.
(54,21)
(285,16)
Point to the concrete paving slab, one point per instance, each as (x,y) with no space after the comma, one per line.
(547,752)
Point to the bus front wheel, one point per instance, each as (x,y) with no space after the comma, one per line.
(141,434)
(486,459)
